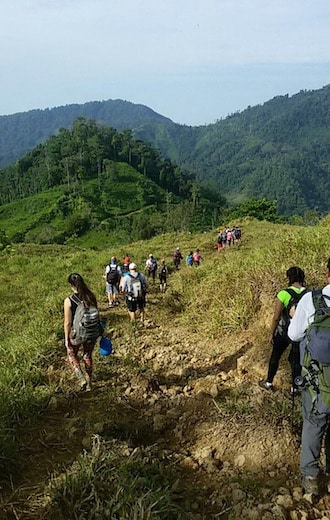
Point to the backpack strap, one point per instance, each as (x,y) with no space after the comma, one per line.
(75,298)
(319,301)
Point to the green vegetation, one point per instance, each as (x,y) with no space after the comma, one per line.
(278,150)
(230,293)
(115,486)
(98,182)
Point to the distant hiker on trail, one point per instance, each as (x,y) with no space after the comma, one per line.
(151,267)
(112,277)
(310,326)
(237,233)
(278,337)
(127,259)
(81,299)
(219,241)
(177,257)
(134,286)
(190,259)
(230,237)
(197,257)
(162,275)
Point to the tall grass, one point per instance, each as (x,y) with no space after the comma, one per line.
(228,294)
(114,482)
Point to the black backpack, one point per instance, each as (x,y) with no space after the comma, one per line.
(113,275)
(283,325)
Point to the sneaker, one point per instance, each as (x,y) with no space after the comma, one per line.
(266,385)
(310,485)
(88,384)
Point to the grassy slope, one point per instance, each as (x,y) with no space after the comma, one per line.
(128,193)
(229,295)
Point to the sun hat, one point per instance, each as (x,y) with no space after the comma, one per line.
(132,266)
(105,346)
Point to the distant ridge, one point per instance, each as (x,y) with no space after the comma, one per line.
(278,150)
(21,132)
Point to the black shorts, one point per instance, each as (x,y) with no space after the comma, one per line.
(133,305)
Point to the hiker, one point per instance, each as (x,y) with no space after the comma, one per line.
(197,257)
(190,259)
(112,277)
(219,241)
(134,286)
(278,336)
(151,267)
(162,275)
(230,237)
(81,293)
(127,259)
(177,257)
(237,233)
(312,312)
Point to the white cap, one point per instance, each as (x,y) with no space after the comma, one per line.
(132,267)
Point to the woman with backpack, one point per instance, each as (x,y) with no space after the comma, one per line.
(278,337)
(81,294)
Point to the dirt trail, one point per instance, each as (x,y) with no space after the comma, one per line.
(197,400)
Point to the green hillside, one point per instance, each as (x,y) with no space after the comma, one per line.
(102,185)
(176,423)
(278,150)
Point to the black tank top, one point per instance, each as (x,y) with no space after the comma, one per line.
(75,300)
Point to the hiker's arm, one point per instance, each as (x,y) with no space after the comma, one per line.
(67,321)
(276,318)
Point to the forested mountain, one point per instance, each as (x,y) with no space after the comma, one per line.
(95,179)
(21,132)
(278,150)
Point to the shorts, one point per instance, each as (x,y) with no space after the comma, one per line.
(133,305)
(111,289)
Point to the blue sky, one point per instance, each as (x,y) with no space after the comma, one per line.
(192,61)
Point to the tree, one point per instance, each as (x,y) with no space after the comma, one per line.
(261,209)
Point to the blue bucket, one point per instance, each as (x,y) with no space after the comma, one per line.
(105,346)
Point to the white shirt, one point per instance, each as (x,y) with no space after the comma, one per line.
(304,315)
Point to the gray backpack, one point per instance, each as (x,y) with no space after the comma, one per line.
(86,323)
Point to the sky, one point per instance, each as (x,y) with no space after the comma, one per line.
(194,61)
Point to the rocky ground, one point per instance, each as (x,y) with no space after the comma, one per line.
(190,400)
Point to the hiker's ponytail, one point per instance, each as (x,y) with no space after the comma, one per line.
(84,293)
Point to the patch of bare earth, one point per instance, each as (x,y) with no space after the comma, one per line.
(191,399)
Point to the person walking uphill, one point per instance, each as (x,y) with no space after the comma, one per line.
(134,286)
(310,326)
(278,337)
(75,336)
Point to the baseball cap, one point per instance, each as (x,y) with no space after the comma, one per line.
(132,266)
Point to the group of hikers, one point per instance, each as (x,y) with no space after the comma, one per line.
(302,319)
(81,318)
(228,236)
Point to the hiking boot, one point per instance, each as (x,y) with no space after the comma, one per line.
(266,385)
(310,485)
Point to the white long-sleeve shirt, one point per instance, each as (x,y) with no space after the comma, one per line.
(304,315)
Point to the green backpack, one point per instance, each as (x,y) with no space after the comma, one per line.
(315,372)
